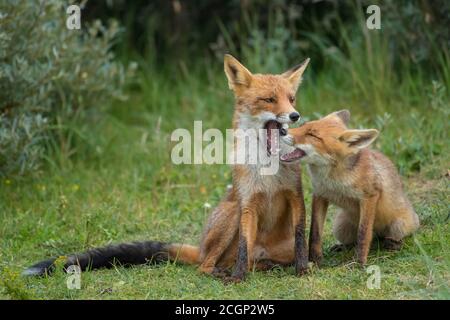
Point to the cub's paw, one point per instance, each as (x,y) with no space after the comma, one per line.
(339,247)
(391,244)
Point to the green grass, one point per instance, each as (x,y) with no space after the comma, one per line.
(120,185)
(52,217)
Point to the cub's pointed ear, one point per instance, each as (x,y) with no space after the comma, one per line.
(294,75)
(344,115)
(237,74)
(359,138)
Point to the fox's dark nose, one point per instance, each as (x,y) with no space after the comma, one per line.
(294,116)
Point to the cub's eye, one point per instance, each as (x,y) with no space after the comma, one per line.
(269,100)
(292,99)
(310,134)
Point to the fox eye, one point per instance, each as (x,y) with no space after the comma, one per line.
(292,99)
(269,100)
(313,135)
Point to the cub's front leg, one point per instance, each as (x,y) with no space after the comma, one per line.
(365,228)
(319,212)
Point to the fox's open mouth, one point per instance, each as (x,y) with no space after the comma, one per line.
(292,156)
(269,126)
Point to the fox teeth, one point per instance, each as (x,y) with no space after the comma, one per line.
(288,139)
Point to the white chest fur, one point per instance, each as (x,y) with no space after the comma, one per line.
(337,190)
(253,182)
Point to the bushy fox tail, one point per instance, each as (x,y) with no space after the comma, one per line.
(125,254)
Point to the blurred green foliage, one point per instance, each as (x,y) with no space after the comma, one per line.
(50,76)
(55,83)
(416,30)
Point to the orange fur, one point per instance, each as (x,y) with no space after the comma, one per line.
(257,220)
(261,221)
(362,182)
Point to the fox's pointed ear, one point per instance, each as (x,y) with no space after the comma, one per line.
(237,74)
(294,75)
(359,138)
(344,115)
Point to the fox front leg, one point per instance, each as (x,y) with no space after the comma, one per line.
(365,228)
(298,212)
(319,212)
(247,237)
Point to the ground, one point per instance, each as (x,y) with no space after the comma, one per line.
(87,207)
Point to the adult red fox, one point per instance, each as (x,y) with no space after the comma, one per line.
(362,182)
(260,222)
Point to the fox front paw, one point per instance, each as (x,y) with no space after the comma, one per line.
(301,268)
(301,271)
(316,258)
(221,273)
(339,247)
(232,280)
(391,244)
(362,260)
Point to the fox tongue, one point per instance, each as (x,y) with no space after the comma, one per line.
(294,155)
(272,138)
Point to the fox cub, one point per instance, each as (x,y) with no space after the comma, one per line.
(362,182)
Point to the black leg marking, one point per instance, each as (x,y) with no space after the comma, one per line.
(241,263)
(301,256)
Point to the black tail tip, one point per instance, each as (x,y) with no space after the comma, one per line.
(40,269)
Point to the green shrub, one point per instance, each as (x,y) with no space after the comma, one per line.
(49,76)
